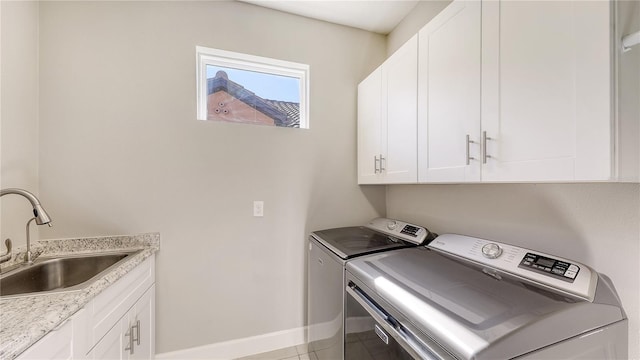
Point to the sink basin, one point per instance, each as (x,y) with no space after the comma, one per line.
(58,274)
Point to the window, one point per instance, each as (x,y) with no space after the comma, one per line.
(249,89)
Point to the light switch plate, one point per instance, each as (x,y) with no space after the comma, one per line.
(258,208)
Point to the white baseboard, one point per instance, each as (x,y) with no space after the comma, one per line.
(325,330)
(237,348)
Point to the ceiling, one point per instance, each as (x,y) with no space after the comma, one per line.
(380,16)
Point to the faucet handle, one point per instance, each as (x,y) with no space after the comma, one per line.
(6,256)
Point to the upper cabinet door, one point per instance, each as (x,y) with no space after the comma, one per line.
(449,95)
(399,114)
(369,128)
(387,120)
(546,90)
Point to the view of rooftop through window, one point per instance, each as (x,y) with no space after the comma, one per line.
(244,96)
(248,89)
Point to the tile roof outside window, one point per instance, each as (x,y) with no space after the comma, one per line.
(283,113)
(243,88)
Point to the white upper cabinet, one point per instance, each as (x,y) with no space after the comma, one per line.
(449,95)
(369,128)
(399,111)
(387,120)
(546,91)
(507,91)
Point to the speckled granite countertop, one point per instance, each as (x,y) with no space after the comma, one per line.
(26,319)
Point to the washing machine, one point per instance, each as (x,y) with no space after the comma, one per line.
(466,298)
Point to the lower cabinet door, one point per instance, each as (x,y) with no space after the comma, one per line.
(112,345)
(133,336)
(55,345)
(143,327)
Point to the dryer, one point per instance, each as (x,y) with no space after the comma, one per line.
(329,251)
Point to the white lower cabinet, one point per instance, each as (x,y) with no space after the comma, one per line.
(132,337)
(122,318)
(57,344)
(144,317)
(110,347)
(119,323)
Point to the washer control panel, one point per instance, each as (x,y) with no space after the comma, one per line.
(562,270)
(401,230)
(548,271)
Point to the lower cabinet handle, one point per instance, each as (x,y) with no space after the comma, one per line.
(375,165)
(129,347)
(138,332)
(381,163)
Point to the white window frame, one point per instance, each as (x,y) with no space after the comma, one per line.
(208,56)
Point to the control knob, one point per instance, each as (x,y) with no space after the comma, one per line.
(391,225)
(491,251)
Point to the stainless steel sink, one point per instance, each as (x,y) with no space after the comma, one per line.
(59,274)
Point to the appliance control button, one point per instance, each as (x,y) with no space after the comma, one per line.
(570,274)
(573,268)
(491,250)
(392,225)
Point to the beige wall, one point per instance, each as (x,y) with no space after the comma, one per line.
(18,116)
(598,224)
(121,152)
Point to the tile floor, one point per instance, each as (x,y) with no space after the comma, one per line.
(363,345)
(299,352)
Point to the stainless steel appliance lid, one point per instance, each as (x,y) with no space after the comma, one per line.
(348,242)
(379,234)
(474,315)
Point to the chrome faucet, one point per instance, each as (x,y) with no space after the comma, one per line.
(40,216)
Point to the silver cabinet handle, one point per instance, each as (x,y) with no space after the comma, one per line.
(133,337)
(469,158)
(484,147)
(137,337)
(129,347)
(382,164)
(375,165)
